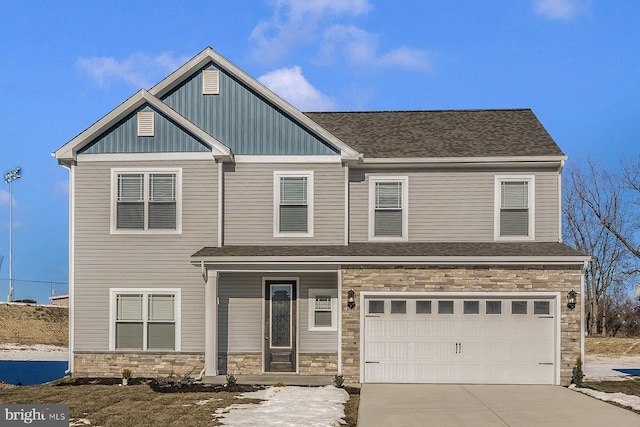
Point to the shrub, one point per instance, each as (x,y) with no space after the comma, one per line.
(231,380)
(338,380)
(126,373)
(578,375)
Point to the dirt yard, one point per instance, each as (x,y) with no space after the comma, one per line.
(34,324)
(612,347)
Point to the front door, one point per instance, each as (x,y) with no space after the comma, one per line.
(280,326)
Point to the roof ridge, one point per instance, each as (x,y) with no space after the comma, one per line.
(471,110)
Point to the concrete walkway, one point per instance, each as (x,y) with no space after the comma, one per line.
(445,405)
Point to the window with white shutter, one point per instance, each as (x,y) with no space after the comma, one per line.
(514,208)
(388,213)
(293,204)
(146,201)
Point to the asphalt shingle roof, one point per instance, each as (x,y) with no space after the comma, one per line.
(455,133)
(459,249)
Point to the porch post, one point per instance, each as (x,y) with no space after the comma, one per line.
(211,324)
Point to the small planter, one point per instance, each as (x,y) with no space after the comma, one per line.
(125,381)
(126,374)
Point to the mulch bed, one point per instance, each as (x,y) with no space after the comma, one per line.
(163,385)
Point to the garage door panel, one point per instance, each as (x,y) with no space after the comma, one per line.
(489,344)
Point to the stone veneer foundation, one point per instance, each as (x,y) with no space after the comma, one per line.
(251,364)
(142,364)
(461,279)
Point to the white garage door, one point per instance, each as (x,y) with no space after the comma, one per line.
(439,339)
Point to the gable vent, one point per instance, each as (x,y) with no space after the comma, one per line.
(210,82)
(145,123)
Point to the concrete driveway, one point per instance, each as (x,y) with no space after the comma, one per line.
(485,405)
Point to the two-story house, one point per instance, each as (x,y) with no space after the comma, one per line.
(215,228)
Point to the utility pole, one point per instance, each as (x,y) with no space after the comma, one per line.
(9,177)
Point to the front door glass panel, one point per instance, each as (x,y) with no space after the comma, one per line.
(281,316)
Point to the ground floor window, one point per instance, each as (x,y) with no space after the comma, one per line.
(323,310)
(145,319)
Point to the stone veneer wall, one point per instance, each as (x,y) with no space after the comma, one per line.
(240,364)
(142,364)
(461,279)
(318,364)
(251,364)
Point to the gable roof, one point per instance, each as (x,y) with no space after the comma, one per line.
(210,55)
(442,134)
(68,152)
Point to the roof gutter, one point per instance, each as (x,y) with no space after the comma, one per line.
(397,260)
(556,161)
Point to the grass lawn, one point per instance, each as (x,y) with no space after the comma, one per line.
(138,405)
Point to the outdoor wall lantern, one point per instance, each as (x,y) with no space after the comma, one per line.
(571,300)
(351,299)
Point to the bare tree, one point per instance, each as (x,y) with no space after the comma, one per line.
(584,230)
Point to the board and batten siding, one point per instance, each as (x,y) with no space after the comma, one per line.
(454,206)
(240,322)
(104,260)
(249,200)
(243,120)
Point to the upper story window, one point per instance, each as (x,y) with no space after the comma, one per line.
(293,204)
(146,201)
(145,319)
(514,207)
(388,208)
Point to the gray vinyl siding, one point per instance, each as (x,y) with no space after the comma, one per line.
(104,260)
(242,120)
(123,138)
(240,311)
(454,205)
(249,202)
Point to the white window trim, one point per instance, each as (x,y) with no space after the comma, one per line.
(405,208)
(276,203)
(333,293)
(113,294)
(531,179)
(146,171)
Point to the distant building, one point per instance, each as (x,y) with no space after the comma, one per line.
(59,300)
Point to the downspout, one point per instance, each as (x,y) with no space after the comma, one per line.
(560,239)
(220,203)
(582,307)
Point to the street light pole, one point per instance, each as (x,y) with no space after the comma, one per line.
(9,177)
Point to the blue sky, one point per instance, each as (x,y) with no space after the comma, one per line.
(65,64)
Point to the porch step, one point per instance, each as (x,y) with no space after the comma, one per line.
(271,379)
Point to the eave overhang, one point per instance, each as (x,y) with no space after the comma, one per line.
(400,260)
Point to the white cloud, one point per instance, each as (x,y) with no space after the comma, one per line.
(294,23)
(559,9)
(4,198)
(139,70)
(290,84)
(361,48)
(297,24)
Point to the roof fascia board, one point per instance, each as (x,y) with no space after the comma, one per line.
(70,149)
(463,161)
(208,54)
(411,260)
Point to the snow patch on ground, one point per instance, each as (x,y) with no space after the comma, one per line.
(599,368)
(12,351)
(288,406)
(632,402)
